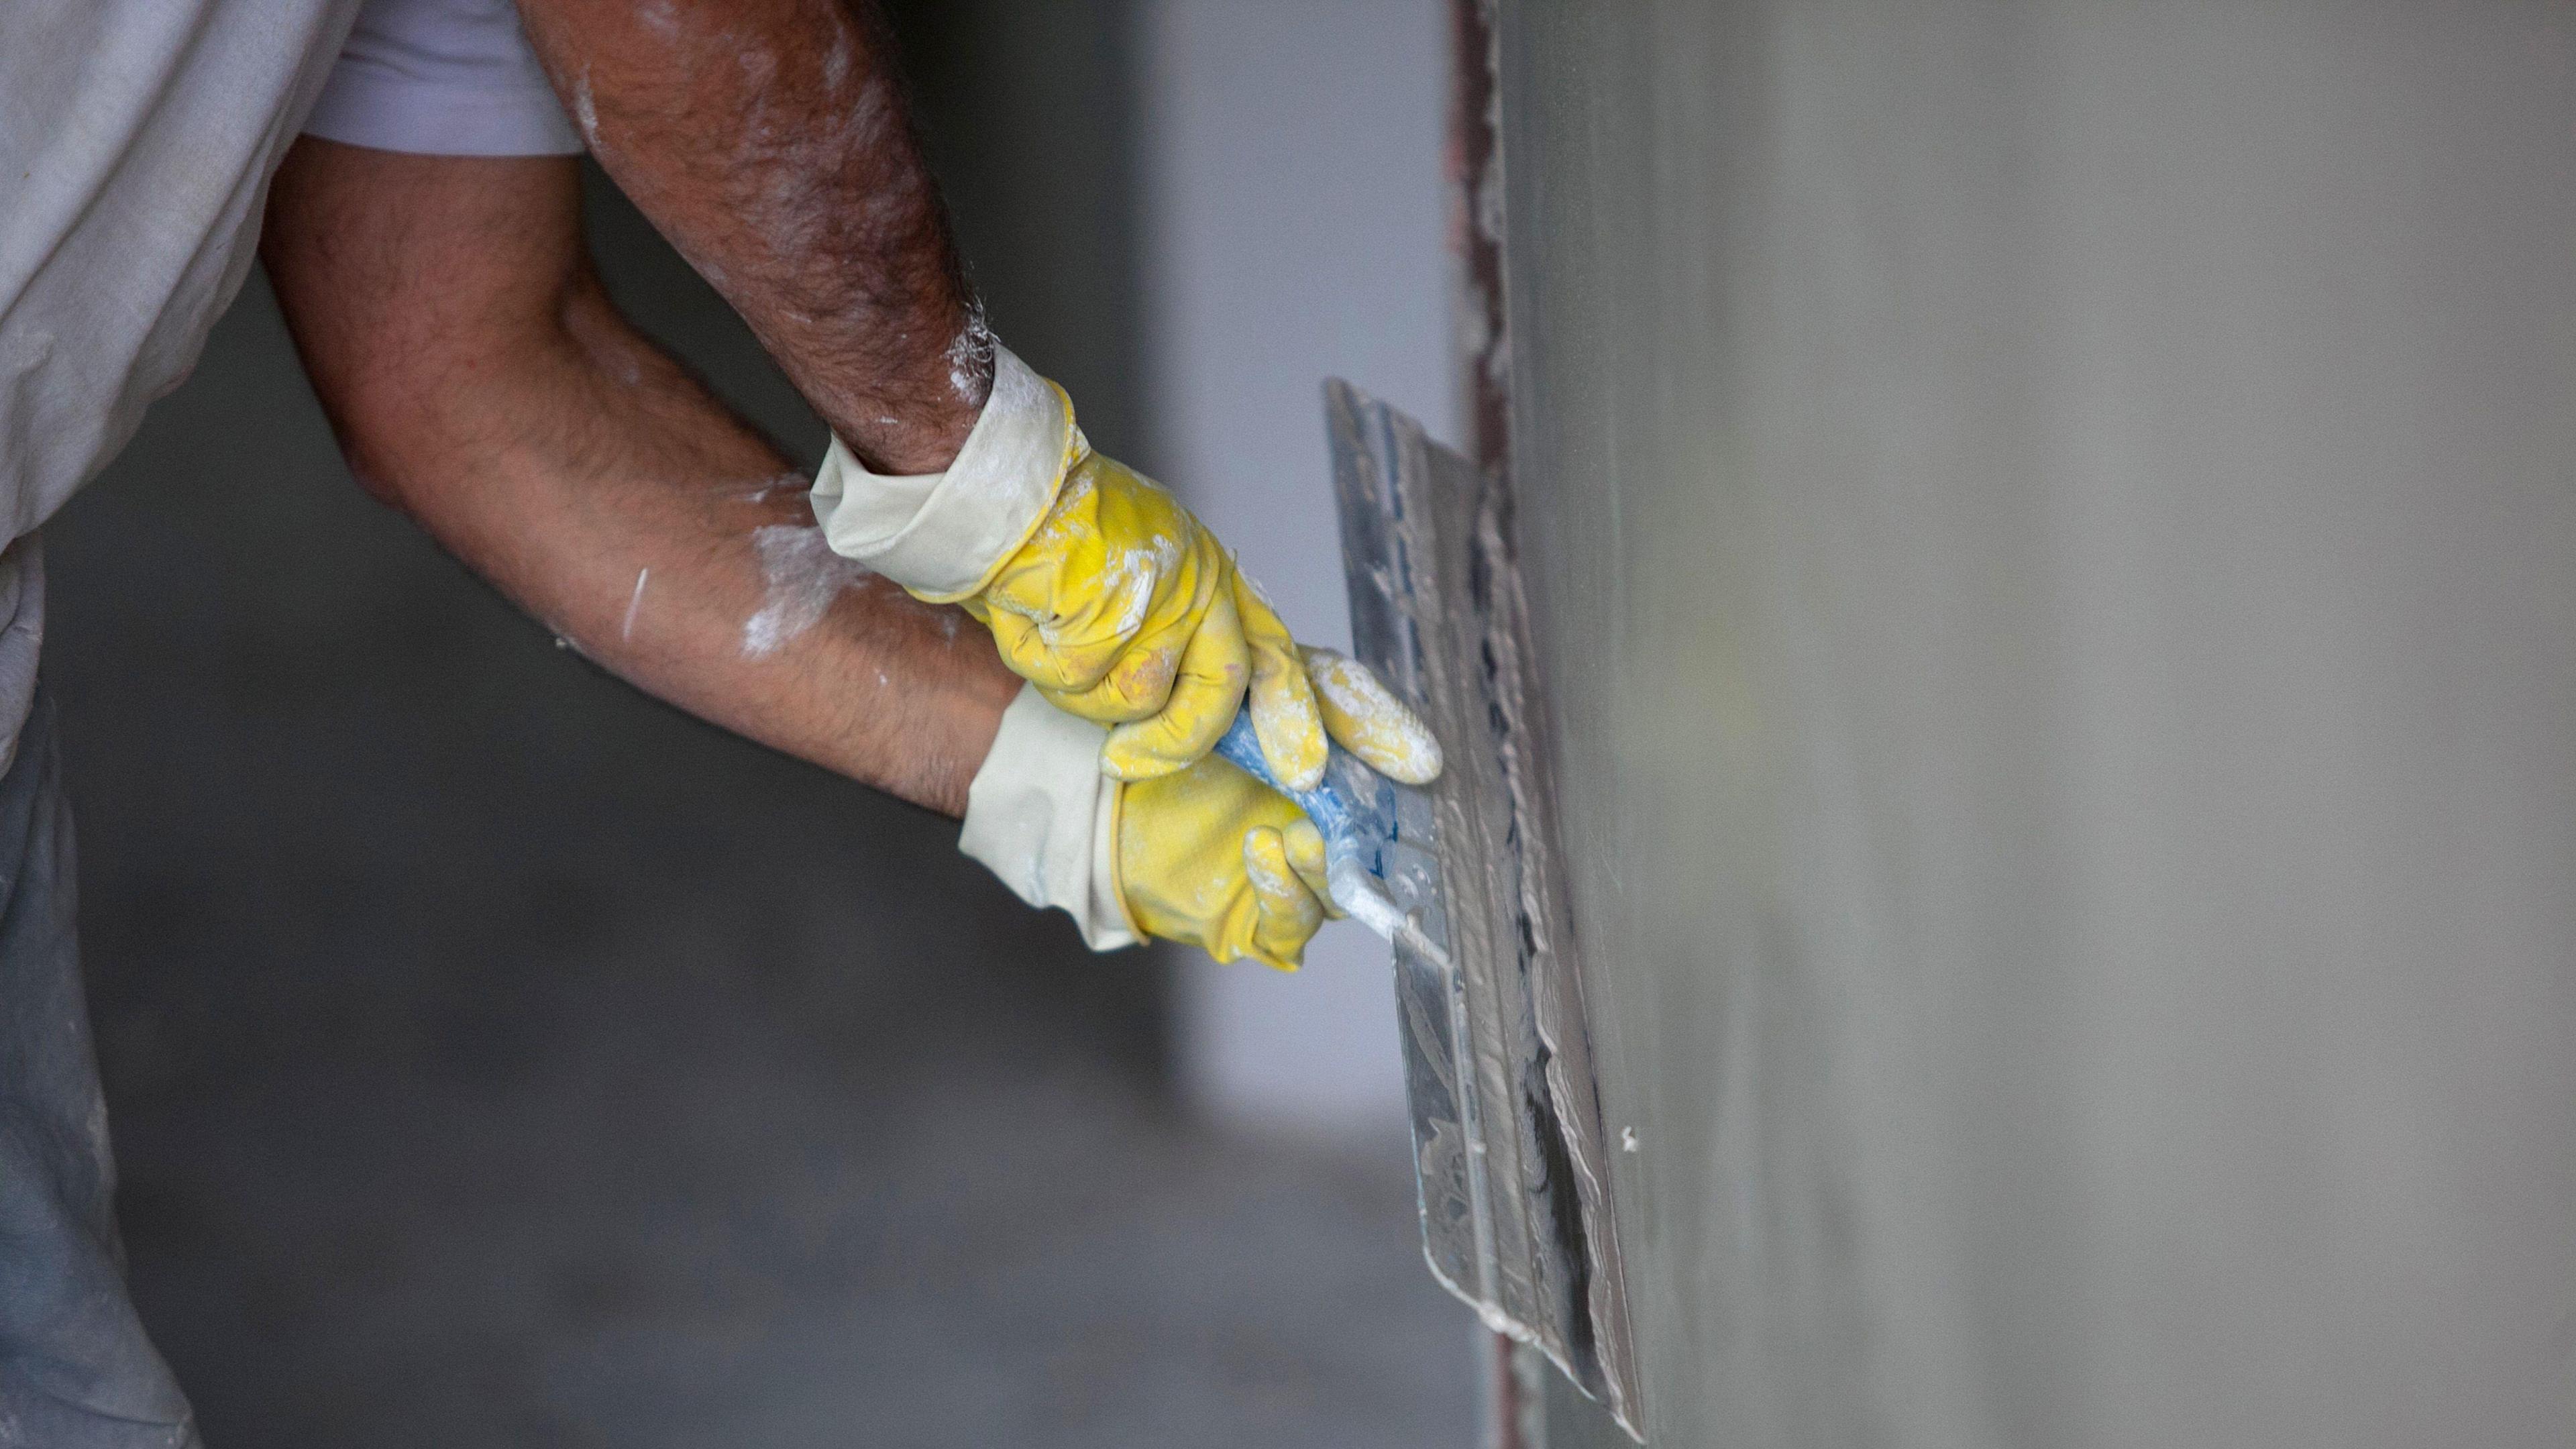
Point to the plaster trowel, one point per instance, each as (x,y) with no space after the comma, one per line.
(1464,877)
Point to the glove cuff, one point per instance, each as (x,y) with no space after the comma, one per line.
(944,535)
(1041,816)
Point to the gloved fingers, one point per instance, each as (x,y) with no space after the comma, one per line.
(1200,705)
(1037,649)
(1099,604)
(1137,685)
(1113,659)
(1044,603)
(1369,721)
(1288,911)
(1115,656)
(1305,846)
(1284,715)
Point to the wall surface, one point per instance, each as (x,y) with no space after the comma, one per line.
(2054,528)
(1291,231)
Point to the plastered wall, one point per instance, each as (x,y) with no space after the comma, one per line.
(2054,530)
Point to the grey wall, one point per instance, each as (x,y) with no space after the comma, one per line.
(2054,527)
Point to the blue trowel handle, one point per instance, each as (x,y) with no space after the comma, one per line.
(1352,887)
(1324,805)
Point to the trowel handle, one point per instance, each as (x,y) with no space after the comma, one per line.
(1324,805)
(1353,890)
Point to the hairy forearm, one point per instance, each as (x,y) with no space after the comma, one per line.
(621,505)
(769,140)
(546,444)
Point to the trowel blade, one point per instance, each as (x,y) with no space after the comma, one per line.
(1508,1146)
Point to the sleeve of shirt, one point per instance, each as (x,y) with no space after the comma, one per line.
(442,78)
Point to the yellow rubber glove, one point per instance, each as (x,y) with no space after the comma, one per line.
(1106,594)
(1215,858)
(1123,609)
(1212,857)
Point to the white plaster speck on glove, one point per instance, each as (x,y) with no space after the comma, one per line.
(1042,817)
(942,535)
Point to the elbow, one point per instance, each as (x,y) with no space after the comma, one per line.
(385,451)
(425,404)
(414,424)
(377,470)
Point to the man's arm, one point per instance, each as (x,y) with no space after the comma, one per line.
(479,379)
(770,141)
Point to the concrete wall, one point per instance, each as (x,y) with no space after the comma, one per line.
(2055,531)
(1291,230)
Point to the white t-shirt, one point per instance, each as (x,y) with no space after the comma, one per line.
(136,142)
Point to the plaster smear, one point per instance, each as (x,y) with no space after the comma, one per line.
(799,214)
(1135,574)
(803,577)
(770,487)
(1272,879)
(970,357)
(836,63)
(634,605)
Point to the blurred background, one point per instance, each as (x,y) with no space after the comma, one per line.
(498,1057)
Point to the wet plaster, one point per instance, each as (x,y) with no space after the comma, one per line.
(2049,534)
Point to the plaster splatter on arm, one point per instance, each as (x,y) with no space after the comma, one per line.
(634,605)
(771,141)
(803,577)
(480,380)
